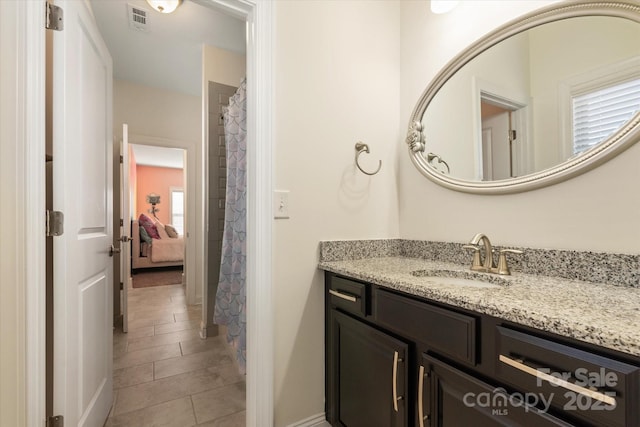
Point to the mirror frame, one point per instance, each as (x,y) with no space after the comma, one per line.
(614,145)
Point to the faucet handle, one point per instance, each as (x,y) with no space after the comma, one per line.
(476,264)
(503,267)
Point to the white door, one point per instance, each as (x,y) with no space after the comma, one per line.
(83,191)
(500,147)
(125,233)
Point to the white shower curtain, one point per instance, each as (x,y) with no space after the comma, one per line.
(230,307)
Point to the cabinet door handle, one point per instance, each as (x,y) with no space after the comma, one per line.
(343,296)
(420,404)
(396,359)
(558,381)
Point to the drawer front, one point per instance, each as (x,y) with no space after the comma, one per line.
(586,386)
(349,295)
(444,331)
(449,397)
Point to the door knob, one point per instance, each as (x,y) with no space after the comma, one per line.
(114,250)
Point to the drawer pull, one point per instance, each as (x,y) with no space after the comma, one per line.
(420,404)
(396,359)
(343,296)
(558,381)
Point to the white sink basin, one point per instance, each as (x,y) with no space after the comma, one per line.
(461,278)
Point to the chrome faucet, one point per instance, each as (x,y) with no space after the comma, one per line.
(488,266)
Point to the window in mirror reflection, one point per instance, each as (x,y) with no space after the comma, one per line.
(599,113)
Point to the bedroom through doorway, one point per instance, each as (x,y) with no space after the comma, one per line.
(157,195)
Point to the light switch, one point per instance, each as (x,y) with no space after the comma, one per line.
(281,204)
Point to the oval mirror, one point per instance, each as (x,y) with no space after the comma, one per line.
(535,102)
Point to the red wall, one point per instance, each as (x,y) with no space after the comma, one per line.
(152,179)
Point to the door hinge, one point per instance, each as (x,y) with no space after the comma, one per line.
(55,421)
(121,286)
(121,159)
(55,223)
(54,17)
(512,135)
(121,222)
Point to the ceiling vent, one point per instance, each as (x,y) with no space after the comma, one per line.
(138,18)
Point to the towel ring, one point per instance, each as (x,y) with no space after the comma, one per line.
(432,156)
(360,147)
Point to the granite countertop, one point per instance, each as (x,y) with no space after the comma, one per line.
(596,313)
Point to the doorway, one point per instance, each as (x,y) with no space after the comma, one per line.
(156,188)
(151,111)
(24,21)
(502,124)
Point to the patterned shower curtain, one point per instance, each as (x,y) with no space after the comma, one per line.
(230,307)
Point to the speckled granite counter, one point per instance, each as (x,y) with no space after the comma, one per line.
(596,313)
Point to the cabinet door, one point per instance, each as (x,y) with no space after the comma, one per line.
(370,375)
(451,398)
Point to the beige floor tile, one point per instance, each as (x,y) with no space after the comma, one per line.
(141,300)
(239,419)
(188,315)
(133,375)
(192,362)
(174,413)
(119,336)
(163,370)
(157,311)
(197,308)
(119,348)
(147,394)
(220,402)
(146,331)
(211,343)
(179,298)
(177,326)
(133,358)
(162,339)
(143,323)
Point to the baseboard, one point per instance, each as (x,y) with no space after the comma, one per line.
(318,420)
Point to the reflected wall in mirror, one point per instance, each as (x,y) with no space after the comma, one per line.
(537,101)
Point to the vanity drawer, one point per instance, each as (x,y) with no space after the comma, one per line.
(349,295)
(586,386)
(444,331)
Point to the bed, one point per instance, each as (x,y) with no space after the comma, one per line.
(164,252)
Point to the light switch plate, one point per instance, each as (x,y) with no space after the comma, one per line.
(281,204)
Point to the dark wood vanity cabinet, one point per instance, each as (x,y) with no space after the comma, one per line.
(393,359)
(367,369)
(371,375)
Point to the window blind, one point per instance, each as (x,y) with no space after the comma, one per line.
(598,114)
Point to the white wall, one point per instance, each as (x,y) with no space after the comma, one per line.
(223,66)
(164,115)
(337,68)
(597,211)
(156,112)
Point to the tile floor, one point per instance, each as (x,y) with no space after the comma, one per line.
(165,375)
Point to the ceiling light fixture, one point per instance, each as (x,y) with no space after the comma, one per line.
(442,6)
(164,6)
